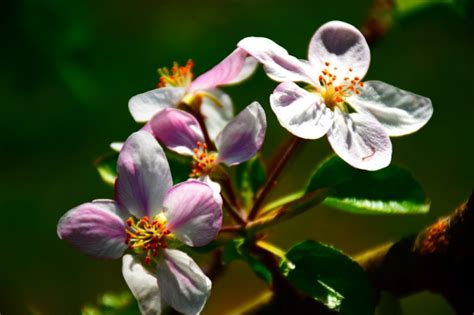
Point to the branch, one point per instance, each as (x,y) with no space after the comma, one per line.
(439,259)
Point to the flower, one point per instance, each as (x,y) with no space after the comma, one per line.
(177,87)
(358,117)
(240,139)
(151,218)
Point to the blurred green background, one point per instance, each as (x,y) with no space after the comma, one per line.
(69,68)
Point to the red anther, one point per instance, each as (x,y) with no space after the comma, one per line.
(145,218)
(357,92)
(350,69)
(166,232)
(129,221)
(346,79)
(147,260)
(361,83)
(327,64)
(356,78)
(325,72)
(320,77)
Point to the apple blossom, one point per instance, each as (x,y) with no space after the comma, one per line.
(238,141)
(358,117)
(177,88)
(150,217)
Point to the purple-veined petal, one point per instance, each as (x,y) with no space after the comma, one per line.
(360,140)
(216,116)
(278,64)
(235,68)
(96,228)
(177,130)
(243,136)
(400,112)
(182,283)
(193,213)
(143,284)
(143,175)
(144,106)
(343,46)
(302,113)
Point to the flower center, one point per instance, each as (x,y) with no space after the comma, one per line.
(335,95)
(179,76)
(203,161)
(148,236)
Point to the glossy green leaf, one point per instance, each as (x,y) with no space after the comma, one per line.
(237,249)
(106,165)
(327,275)
(390,190)
(250,177)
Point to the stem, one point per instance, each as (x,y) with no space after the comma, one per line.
(289,149)
(229,189)
(233,212)
(196,111)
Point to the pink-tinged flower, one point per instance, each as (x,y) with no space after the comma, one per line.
(177,87)
(358,117)
(240,139)
(150,217)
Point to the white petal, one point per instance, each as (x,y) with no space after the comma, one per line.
(216,117)
(143,175)
(183,285)
(143,285)
(302,113)
(144,106)
(278,64)
(400,112)
(360,141)
(116,146)
(343,46)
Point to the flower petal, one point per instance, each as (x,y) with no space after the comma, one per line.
(177,130)
(146,105)
(216,116)
(278,64)
(243,136)
(183,285)
(343,46)
(236,67)
(143,285)
(360,141)
(143,175)
(400,112)
(302,113)
(96,228)
(193,213)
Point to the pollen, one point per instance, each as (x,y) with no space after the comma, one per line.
(335,92)
(147,236)
(203,160)
(179,76)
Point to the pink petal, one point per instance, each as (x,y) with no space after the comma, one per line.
(243,136)
(216,117)
(193,213)
(360,141)
(177,130)
(302,113)
(143,175)
(96,228)
(182,283)
(235,68)
(278,64)
(341,45)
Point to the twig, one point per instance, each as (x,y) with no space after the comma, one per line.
(271,180)
(438,259)
(233,212)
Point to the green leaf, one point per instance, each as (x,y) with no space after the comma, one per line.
(250,178)
(106,165)
(391,190)
(237,249)
(327,275)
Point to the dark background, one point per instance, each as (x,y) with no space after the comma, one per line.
(69,68)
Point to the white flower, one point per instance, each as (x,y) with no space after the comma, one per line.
(358,117)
